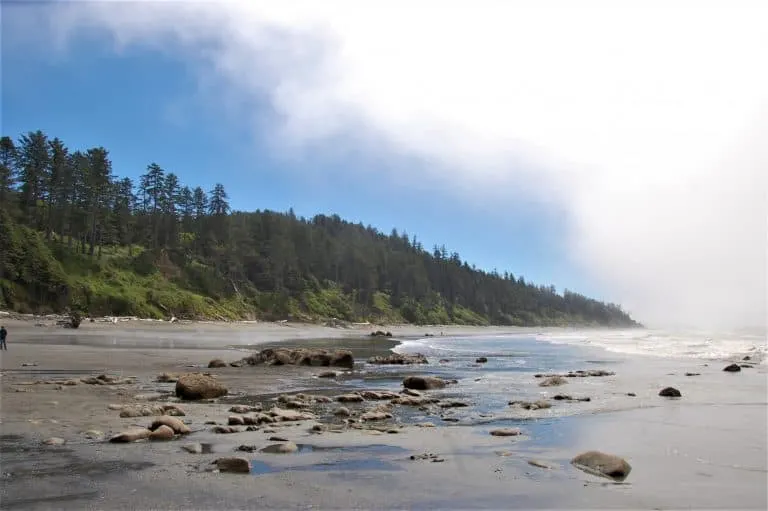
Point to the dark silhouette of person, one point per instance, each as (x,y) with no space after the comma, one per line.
(3,336)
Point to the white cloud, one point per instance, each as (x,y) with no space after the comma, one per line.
(645,121)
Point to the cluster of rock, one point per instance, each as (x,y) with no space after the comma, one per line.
(300,357)
(162,428)
(381,333)
(577,374)
(398,359)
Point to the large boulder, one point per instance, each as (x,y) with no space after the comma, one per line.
(423,382)
(216,362)
(398,359)
(175,424)
(302,356)
(670,392)
(192,386)
(733,368)
(235,465)
(601,464)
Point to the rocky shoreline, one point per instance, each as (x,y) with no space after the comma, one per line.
(209,415)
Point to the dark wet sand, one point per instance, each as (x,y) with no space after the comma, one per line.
(705,451)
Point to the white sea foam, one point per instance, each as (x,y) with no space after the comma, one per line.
(658,343)
(699,345)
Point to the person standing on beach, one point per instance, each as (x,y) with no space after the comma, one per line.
(3,335)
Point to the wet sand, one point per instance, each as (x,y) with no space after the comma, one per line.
(706,450)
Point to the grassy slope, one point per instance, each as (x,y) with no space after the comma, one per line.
(38,275)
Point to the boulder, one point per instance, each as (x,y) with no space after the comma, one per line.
(235,420)
(349,398)
(172,422)
(234,465)
(216,362)
(194,386)
(244,409)
(163,432)
(327,374)
(423,382)
(481,360)
(342,411)
(375,415)
(381,333)
(531,405)
(55,441)
(601,464)
(281,448)
(553,381)
(193,448)
(398,359)
(670,392)
(733,368)
(506,432)
(225,430)
(131,435)
(289,415)
(378,395)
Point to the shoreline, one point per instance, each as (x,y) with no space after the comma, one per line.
(358,467)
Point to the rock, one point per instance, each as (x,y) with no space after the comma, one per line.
(553,381)
(375,415)
(746,366)
(481,360)
(150,396)
(244,409)
(172,422)
(423,382)
(302,356)
(234,465)
(173,410)
(54,441)
(131,435)
(733,368)
(247,448)
(566,397)
(378,395)
(193,448)
(398,359)
(531,405)
(327,374)
(631,394)
(216,362)
(235,420)
(413,401)
(342,411)
(29,364)
(506,432)
(167,378)
(349,398)
(411,392)
(225,430)
(670,392)
(578,374)
(163,432)
(289,415)
(193,386)
(747,357)
(115,406)
(277,439)
(93,434)
(693,374)
(318,428)
(141,411)
(281,448)
(381,333)
(424,425)
(606,465)
(452,404)
(540,464)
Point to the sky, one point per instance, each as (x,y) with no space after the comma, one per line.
(616,149)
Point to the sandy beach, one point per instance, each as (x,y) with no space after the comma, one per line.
(706,449)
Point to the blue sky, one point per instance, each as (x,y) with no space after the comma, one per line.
(146,106)
(528,143)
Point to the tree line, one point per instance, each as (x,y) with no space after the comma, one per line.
(275,264)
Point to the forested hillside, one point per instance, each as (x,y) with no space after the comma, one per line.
(73,236)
